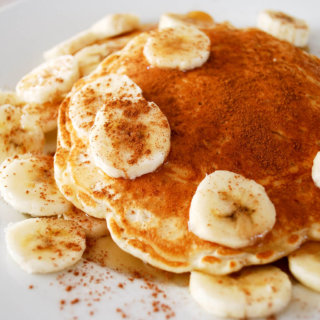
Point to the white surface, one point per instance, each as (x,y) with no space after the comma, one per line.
(26,30)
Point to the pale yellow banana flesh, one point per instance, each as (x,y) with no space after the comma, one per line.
(13,138)
(109,26)
(199,19)
(45,245)
(253,292)
(175,48)
(230,210)
(304,264)
(50,81)
(27,184)
(284,27)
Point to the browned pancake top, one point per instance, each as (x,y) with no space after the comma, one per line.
(252,109)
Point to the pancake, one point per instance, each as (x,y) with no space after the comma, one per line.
(252,108)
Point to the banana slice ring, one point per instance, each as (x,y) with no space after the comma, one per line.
(49,81)
(230,210)
(198,19)
(109,26)
(44,245)
(315,173)
(284,27)
(91,97)
(253,292)
(184,47)
(13,138)
(129,138)
(305,265)
(28,185)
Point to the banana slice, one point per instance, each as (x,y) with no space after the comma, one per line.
(254,292)
(44,245)
(43,115)
(115,24)
(315,172)
(27,184)
(10,97)
(89,57)
(198,19)
(110,26)
(305,265)
(9,118)
(90,98)
(32,115)
(231,210)
(184,48)
(93,227)
(50,81)
(284,27)
(14,139)
(129,138)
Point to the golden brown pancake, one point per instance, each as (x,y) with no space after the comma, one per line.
(253,108)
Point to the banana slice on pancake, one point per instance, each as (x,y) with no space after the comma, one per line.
(27,184)
(284,27)
(199,19)
(93,227)
(85,103)
(50,81)
(254,292)
(315,172)
(231,210)
(13,138)
(130,137)
(109,26)
(45,245)
(184,47)
(305,265)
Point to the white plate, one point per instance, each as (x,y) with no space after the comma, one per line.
(26,30)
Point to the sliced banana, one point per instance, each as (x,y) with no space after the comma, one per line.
(198,19)
(231,210)
(115,24)
(85,103)
(110,26)
(10,97)
(44,245)
(93,227)
(315,172)
(305,265)
(50,81)
(27,184)
(284,27)
(129,138)
(90,56)
(32,115)
(184,48)
(255,292)
(9,118)
(14,139)
(43,115)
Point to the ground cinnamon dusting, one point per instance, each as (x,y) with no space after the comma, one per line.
(87,284)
